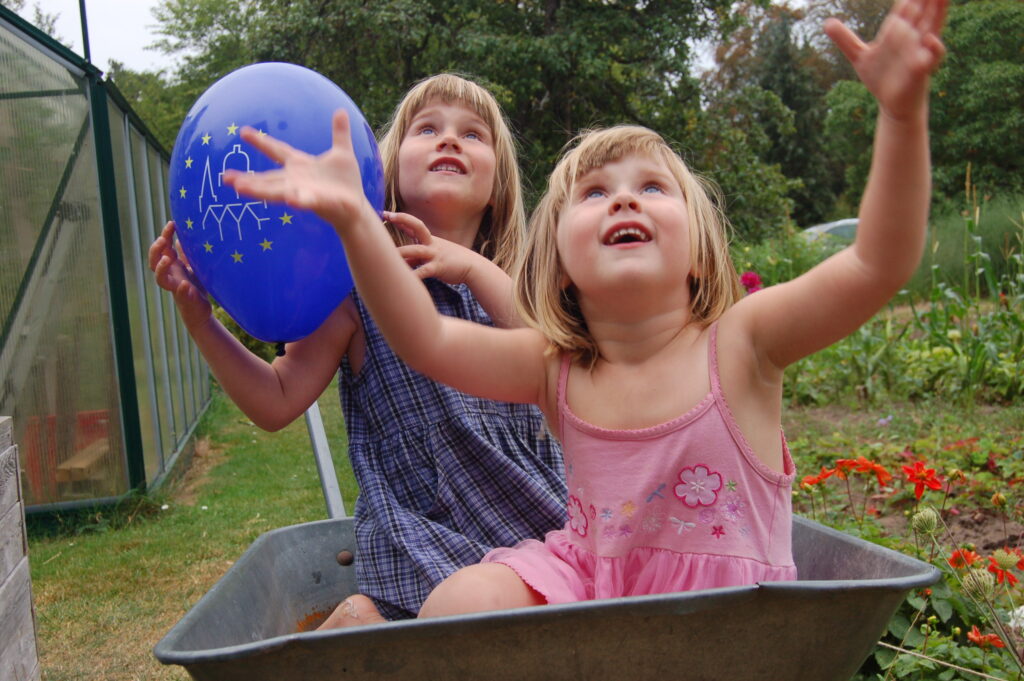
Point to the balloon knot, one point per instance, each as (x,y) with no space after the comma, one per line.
(280,350)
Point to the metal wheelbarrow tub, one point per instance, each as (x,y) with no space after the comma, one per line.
(820,628)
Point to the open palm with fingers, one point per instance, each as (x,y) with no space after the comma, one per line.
(896,66)
(328,184)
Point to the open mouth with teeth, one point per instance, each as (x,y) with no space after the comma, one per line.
(627,234)
(447,167)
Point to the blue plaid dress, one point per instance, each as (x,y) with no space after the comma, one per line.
(443,477)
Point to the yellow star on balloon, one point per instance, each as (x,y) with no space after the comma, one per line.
(208,246)
(286,219)
(188,162)
(266,243)
(233,129)
(189,223)
(182,192)
(206,138)
(236,256)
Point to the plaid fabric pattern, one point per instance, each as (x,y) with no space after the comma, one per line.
(443,476)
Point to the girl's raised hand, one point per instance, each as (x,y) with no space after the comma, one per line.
(433,256)
(896,65)
(329,184)
(174,274)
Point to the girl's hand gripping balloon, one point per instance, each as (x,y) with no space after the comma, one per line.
(278,271)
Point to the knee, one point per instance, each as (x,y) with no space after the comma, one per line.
(479,588)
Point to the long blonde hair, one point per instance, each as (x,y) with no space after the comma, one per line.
(502,230)
(541,297)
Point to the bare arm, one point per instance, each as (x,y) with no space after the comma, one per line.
(795,319)
(271,395)
(499,364)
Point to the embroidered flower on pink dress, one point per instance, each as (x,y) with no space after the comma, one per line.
(577,517)
(698,486)
(735,507)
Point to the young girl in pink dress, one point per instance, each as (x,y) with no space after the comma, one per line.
(664,385)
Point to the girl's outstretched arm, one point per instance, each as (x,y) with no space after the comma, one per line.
(794,319)
(271,395)
(499,364)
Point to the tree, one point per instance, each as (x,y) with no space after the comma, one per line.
(556,66)
(783,71)
(977,106)
(978,99)
(767,54)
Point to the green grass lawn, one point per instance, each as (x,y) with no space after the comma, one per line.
(108,585)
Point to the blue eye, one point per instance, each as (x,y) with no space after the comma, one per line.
(653,188)
(593,194)
(472,136)
(427,130)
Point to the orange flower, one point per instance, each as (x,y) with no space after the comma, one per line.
(1001,574)
(962,558)
(922,477)
(844,466)
(815,479)
(984,641)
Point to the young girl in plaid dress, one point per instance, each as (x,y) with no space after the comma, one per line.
(443,476)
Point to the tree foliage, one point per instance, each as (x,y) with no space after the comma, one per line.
(977,106)
(756,124)
(556,66)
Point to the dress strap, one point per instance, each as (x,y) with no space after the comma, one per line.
(716,385)
(563,382)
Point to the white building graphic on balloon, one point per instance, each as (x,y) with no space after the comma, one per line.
(233,210)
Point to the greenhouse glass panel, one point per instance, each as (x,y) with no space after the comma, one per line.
(136,271)
(154,299)
(57,359)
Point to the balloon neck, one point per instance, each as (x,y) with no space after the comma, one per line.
(280,350)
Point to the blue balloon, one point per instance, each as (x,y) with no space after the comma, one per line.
(278,271)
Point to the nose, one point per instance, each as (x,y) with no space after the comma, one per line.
(622,200)
(448,139)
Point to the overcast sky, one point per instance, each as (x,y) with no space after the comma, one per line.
(118,29)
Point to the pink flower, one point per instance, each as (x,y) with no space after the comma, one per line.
(577,518)
(698,486)
(751,281)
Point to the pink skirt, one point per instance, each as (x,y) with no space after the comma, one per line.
(564,573)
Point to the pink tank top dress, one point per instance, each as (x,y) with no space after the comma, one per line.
(679,506)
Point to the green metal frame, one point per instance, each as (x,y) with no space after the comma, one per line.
(130,423)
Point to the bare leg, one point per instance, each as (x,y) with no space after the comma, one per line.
(354,611)
(480,588)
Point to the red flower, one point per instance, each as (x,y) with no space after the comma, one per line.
(862,465)
(922,477)
(1001,574)
(751,281)
(844,466)
(881,473)
(975,637)
(962,558)
(815,479)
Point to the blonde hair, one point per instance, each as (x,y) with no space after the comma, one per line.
(502,229)
(541,296)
